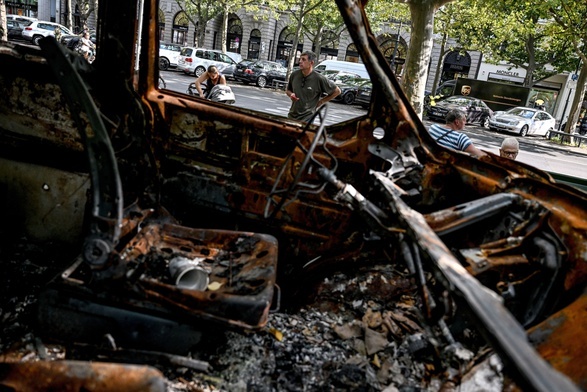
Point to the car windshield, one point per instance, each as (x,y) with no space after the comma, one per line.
(521,112)
(459,101)
(186,52)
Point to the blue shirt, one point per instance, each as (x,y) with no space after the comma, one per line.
(449,138)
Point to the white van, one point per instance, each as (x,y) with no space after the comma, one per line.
(347,66)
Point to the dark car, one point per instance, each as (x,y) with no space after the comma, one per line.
(260,72)
(443,91)
(14,29)
(477,111)
(583,126)
(228,71)
(349,88)
(363,97)
(72,40)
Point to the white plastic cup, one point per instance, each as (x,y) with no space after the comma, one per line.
(188,273)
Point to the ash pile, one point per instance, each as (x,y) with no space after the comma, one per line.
(359,330)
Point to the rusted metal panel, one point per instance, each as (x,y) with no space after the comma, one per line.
(561,340)
(80,376)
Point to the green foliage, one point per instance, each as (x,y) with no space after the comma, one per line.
(517,32)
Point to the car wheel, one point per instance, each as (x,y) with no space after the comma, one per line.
(199,71)
(524,131)
(262,81)
(163,64)
(348,98)
(36,39)
(485,122)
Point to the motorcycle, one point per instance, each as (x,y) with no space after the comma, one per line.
(219,93)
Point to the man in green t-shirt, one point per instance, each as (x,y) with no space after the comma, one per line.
(307,89)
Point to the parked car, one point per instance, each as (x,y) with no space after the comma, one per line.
(348,66)
(71,41)
(260,72)
(14,29)
(583,126)
(349,87)
(363,97)
(229,71)
(23,20)
(443,91)
(168,55)
(237,57)
(523,121)
(196,61)
(40,29)
(477,111)
(339,76)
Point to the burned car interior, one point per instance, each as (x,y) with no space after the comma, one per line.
(184,217)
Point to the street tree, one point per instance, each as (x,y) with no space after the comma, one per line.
(261,11)
(444,19)
(571,27)
(422,14)
(85,7)
(516,32)
(3,27)
(323,23)
(199,13)
(300,10)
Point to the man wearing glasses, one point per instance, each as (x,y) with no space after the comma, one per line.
(509,148)
(308,90)
(449,135)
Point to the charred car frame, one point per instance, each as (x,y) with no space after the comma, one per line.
(98,156)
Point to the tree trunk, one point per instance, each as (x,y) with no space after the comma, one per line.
(578,100)
(297,35)
(224,29)
(318,42)
(4,36)
(419,51)
(531,67)
(69,16)
(439,64)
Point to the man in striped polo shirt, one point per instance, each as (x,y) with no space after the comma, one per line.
(449,135)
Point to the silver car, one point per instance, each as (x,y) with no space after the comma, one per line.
(523,121)
(197,60)
(39,29)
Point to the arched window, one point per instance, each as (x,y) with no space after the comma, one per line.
(352,54)
(254,45)
(284,45)
(161,20)
(180,28)
(457,63)
(394,48)
(234,35)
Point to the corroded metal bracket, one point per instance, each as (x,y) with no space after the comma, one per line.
(106,191)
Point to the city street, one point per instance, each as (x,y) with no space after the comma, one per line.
(536,151)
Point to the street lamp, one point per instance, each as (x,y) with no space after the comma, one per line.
(399,29)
